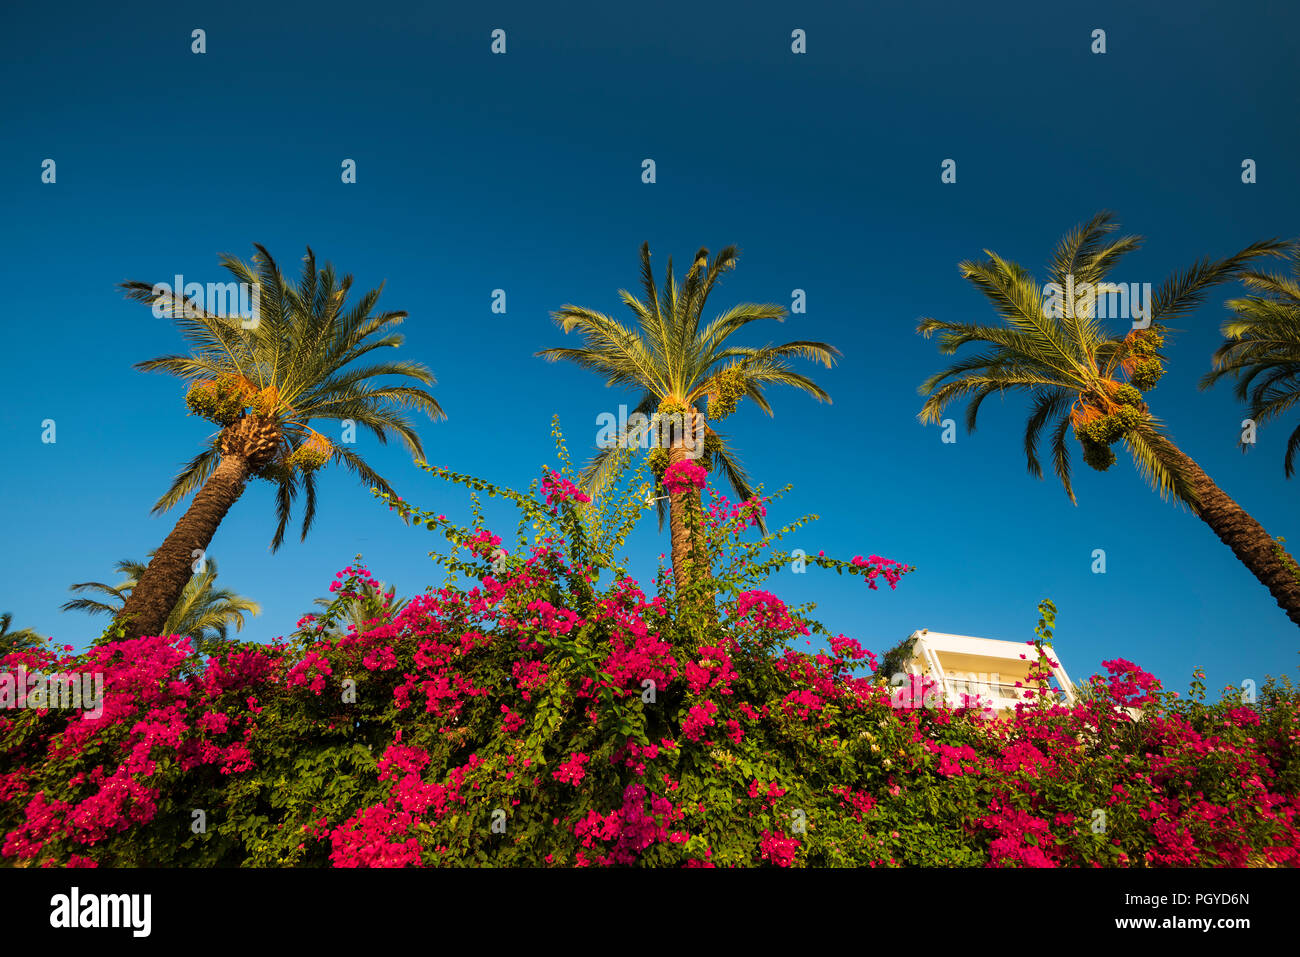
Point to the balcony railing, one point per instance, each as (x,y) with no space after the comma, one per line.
(998,694)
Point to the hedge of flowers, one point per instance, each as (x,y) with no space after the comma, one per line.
(542,708)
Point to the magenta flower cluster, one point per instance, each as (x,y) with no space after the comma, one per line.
(684,476)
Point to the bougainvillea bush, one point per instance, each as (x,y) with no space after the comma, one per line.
(542,708)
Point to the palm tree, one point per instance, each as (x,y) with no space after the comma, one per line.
(685,369)
(373,606)
(1071,368)
(263,382)
(20,639)
(204,611)
(1262,350)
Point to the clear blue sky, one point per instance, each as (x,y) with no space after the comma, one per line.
(522,172)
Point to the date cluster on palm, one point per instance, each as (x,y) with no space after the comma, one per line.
(312,454)
(730,389)
(1144,365)
(225,399)
(221,401)
(657,459)
(1104,418)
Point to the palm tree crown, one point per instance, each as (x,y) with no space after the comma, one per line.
(373,605)
(18,639)
(1263,349)
(1068,363)
(680,364)
(263,380)
(291,367)
(1071,367)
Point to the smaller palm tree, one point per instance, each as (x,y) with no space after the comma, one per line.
(373,606)
(19,639)
(204,612)
(1262,350)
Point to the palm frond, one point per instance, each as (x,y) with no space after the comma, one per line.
(729,464)
(1158,461)
(1185,291)
(1048,404)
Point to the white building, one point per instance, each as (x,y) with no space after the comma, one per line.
(966,666)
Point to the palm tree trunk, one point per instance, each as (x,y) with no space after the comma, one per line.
(683,549)
(1253,546)
(160,587)
(680,505)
